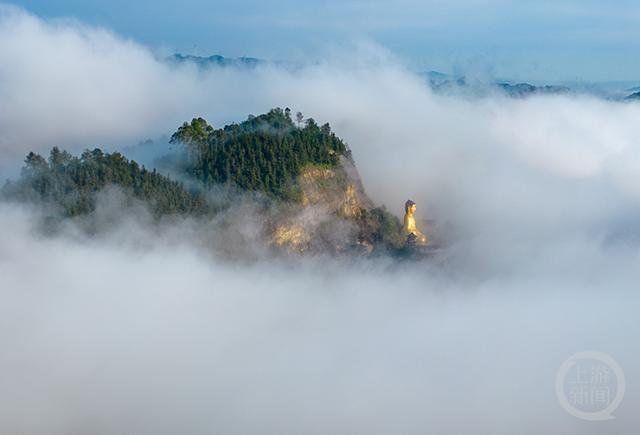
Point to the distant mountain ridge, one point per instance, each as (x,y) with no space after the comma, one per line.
(526,89)
(446,83)
(477,87)
(216,61)
(633,97)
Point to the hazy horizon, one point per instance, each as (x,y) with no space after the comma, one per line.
(564,40)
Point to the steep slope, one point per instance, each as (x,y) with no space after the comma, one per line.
(336,215)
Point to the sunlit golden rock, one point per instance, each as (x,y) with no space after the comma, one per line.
(334,215)
(291,237)
(412,232)
(351,206)
(338,190)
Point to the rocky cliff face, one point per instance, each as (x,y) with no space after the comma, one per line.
(337,189)
(336,215)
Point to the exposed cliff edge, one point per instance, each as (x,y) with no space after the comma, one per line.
(336,215)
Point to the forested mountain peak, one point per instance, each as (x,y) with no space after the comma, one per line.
(310,196)
(295,160)
(264,153)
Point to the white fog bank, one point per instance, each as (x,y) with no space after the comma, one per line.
(112,336)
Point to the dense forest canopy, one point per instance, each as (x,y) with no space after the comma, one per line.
(264,153)
(71,183)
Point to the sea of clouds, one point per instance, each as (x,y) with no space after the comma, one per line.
(146,329)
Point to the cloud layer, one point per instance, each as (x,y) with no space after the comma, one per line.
(146,331)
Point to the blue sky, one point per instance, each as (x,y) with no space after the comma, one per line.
(535,40)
